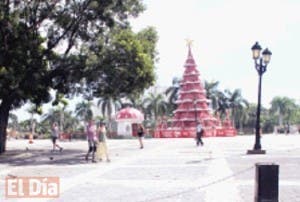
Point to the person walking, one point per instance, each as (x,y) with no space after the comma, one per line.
(199,134)
(140,133)
(91,133)
(102,146)
(54,136)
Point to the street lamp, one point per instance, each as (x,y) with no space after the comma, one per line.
(261,64)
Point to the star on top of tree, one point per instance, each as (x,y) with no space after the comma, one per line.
(189,42)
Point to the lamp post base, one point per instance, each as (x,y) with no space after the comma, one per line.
(256,151)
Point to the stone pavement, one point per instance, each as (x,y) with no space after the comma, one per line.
(167,170)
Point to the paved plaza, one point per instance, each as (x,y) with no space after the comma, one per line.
(167,170)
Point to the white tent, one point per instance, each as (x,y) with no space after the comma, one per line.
(125,118)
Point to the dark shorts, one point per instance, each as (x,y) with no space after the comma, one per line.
(140,134)
(54,140)
(199,134)
(92,145)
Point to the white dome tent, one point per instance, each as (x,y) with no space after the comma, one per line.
(127,120)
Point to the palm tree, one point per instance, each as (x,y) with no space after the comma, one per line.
(70,122)
(212,93)
(33,109)
(13,121)
(283,107)
(109,106)
(172,93)
(62,109)
(156,105)
(296,115)
(61,104)
(51,116)
(132,100)
(241,117)
(222,104)
(135,101)
(25,126)
(236,101)
(83,110)
(250,120)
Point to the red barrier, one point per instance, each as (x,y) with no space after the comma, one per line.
(191,133)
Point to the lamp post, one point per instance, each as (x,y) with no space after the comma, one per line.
(261,64)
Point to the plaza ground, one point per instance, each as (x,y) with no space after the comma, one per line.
(168,170)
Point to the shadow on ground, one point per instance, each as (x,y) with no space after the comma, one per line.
(42,157)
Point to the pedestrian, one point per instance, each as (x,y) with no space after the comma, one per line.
(102,146)
(91,134)
(140,133)
(54,136)
(199,134)
(287,128)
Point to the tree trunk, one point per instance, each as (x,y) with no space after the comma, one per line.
(280,120)
(32,124)
(241,128)
(109,110)
(4,112)
(233,114)
(61,120)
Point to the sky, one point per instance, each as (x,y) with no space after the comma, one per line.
(223,32)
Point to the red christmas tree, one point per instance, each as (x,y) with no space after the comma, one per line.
(192,104)
(193,107)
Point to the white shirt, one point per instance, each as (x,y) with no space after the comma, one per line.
(199,128)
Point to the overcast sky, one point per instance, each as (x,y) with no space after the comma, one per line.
(223,32)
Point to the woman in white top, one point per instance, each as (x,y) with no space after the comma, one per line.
(54,136)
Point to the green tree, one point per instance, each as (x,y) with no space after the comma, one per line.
(223,104)
(25,126)
(83,110)
(61,104)
(156,105)
(135,101)
(250,122)
(70,122)
(122,65)
(51,116)
(13,121)
(237,104)
(33,109)
(296,115)
(173,93)
(267,121)
(241,117)
(212,93)
(283,107)
(31,32)
(109,106)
